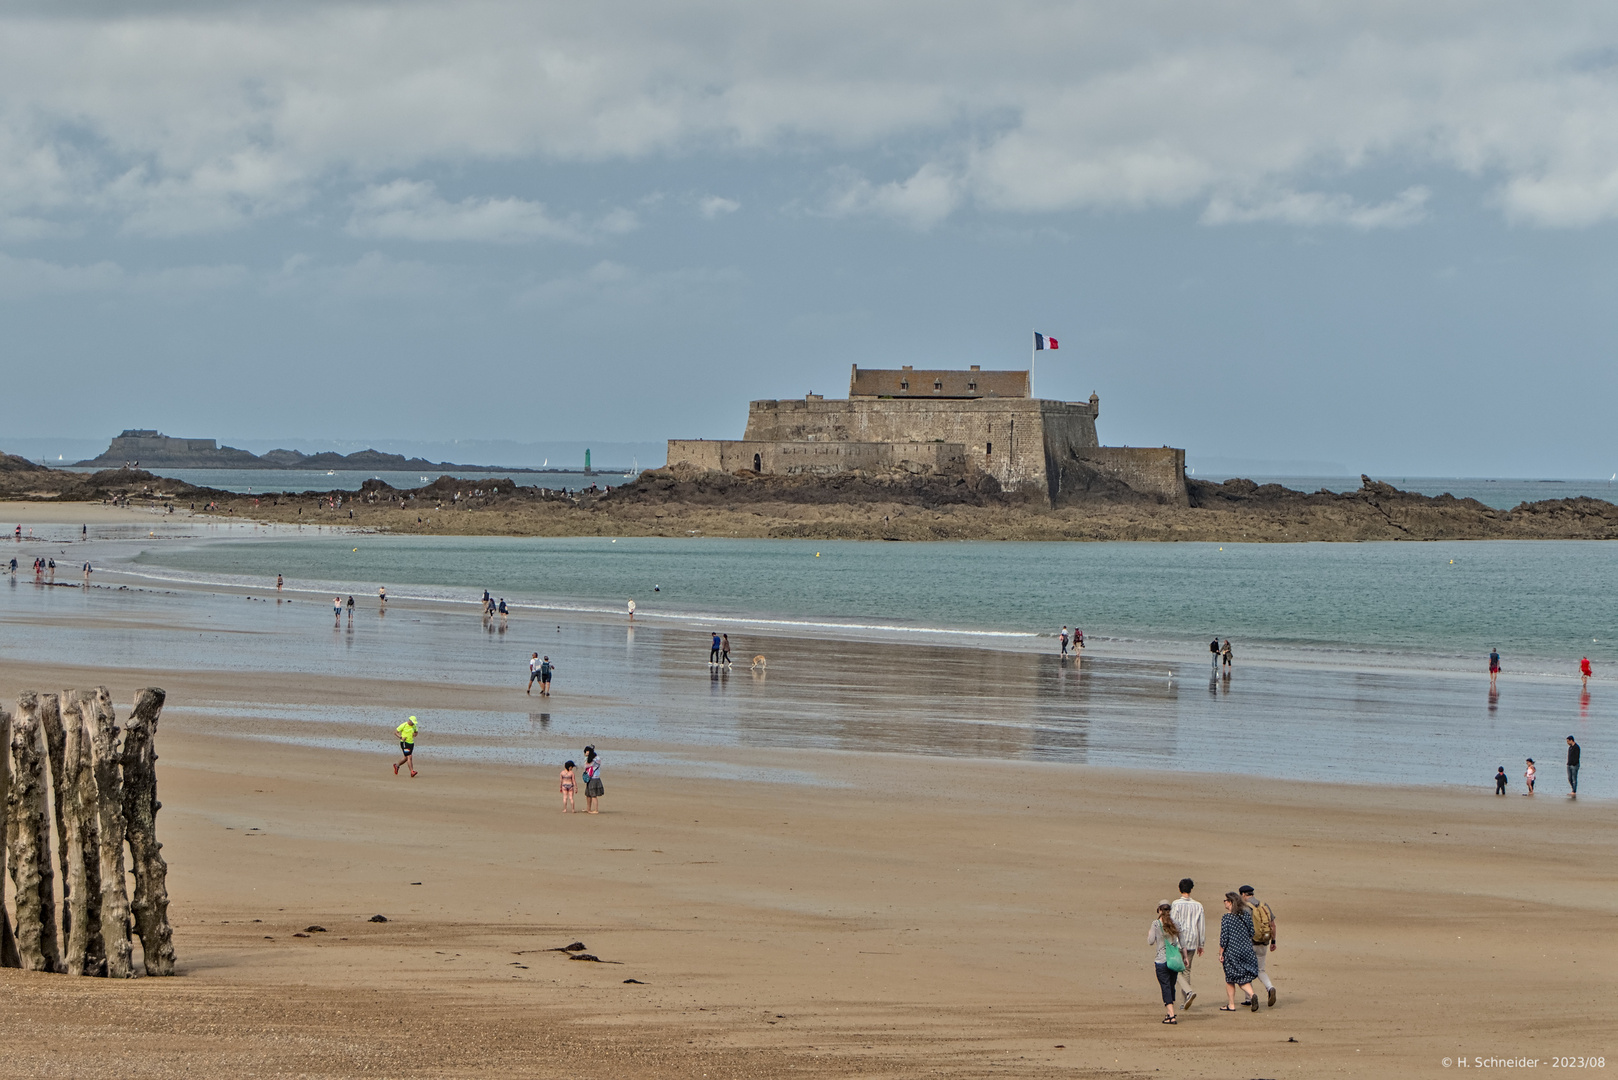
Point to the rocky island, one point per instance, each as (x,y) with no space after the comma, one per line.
(136,447)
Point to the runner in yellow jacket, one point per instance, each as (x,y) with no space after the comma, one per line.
(407,743)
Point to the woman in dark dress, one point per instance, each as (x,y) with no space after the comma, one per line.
(1236,952)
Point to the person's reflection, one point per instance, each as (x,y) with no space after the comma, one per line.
(1494,697)
(542,718)
(1213,683)
(1584,705)
(629,636)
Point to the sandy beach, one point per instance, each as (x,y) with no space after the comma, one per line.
(853,914)
(878,860)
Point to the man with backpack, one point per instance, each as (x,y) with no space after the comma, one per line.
(1263,936)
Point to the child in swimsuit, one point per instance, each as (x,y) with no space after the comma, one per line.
(1528,775)
(567,789)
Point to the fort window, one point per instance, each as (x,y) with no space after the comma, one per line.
(988,448)
(758,463)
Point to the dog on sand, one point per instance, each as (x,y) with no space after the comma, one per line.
(758,662)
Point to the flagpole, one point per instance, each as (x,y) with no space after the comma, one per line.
(1033,342)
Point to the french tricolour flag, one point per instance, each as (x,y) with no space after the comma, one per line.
(1043,342)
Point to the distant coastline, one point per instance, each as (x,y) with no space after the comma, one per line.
(137,448)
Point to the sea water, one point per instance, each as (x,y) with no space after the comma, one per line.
(1354,662)
(1544,604)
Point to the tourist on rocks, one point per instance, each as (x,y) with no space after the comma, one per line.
(1236,953)
(1188,916)
(407,745)
(1263,936)
(1163,933)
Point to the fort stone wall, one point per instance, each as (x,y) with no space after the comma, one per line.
(787,458)
(1011,439)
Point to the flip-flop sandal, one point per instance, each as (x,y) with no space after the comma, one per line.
(1230,1008)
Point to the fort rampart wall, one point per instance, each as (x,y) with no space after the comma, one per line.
(796,458)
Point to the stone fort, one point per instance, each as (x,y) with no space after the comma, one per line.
(940,422)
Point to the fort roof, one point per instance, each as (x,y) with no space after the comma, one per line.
(908,382)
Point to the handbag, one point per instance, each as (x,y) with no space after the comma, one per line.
(1172,958)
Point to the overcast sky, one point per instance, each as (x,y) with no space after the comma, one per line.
(1372,233)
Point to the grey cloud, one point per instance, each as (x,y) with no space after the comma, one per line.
(180,118)
(413,210)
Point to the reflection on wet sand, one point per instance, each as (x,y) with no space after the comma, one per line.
(653,683)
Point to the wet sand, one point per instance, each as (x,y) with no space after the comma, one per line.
(845,914)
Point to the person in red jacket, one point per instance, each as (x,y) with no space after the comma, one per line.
(1585,673)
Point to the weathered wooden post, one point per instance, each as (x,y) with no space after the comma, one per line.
(28,835)
(151,901)
(81,861)
(51,708)
(8,944)
(106,761)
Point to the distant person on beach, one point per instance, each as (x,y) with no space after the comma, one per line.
(504,613)
(337,607)
(1573,766)
(279,581)
(1188,917)
(1236,953)
(1226,655)
(567,789)
(407,744)
(1585,673)
(1063,637)
(713,651)
(1528,775)
(382,595)
(724,650)
(351,609)
(593,788)
(533,672)
(632,611)
(1213,647)
(1500,781)
(1494,665)
(1164,933)
(1263,936)
(545,670)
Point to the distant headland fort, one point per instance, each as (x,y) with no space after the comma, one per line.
(942,422)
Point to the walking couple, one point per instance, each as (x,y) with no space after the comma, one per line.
(1246,937)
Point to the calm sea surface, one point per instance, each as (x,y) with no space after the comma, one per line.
(1419,605)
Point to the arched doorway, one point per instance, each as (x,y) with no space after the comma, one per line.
(758,463)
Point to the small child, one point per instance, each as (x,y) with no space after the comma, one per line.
(567,789)
(1528,775)
(1500,781)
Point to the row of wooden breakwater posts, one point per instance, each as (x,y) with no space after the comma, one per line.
(67,764)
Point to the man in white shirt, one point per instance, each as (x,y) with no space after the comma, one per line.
(1187,915)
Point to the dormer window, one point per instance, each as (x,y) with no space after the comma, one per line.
(904,384)
(971,386)
(938,384)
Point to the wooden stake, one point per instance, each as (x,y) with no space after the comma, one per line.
(151,901)
(28,835)
(106,755)
(8,943)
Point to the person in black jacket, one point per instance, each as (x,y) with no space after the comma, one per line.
(1573,766)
